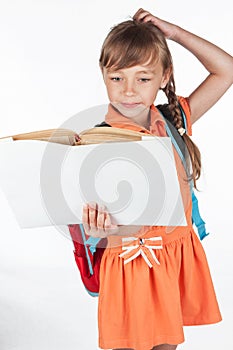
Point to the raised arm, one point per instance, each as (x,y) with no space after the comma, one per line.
(218,63)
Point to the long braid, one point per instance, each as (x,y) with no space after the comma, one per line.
(194,153)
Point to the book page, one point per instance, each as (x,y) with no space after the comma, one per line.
(48,183)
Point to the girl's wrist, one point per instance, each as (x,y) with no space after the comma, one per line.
(177,34)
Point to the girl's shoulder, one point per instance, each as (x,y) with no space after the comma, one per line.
(185,111)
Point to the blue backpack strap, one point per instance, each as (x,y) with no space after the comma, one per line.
(196,217)
(175,143)
(86,248)
(92,242)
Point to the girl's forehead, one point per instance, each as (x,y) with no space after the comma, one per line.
(152,67)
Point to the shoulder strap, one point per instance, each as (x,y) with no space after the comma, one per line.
(102,124)
(180,147)
(172,132)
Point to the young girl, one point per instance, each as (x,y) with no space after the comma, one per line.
(142,307)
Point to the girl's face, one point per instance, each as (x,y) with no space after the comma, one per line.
(133,90)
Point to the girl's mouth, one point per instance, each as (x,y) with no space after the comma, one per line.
(130,105)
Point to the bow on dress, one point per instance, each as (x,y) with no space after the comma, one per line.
(133,247)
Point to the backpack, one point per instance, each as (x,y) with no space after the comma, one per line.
(88,251)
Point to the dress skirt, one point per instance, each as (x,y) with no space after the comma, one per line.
(142,306)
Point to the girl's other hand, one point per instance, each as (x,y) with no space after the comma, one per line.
(97,222)
(169,30)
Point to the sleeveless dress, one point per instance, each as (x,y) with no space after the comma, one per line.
(147,301)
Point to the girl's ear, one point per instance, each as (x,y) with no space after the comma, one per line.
(166,77)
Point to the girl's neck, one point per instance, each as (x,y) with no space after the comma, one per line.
(143,119)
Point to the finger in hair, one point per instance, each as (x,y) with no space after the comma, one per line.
(137,13)
(141,17)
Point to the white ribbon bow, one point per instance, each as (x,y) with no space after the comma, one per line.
(133,247)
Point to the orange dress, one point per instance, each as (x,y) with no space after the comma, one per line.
(148,300)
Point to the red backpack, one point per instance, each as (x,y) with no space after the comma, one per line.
(88,252)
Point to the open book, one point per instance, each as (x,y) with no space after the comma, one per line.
(47,181)
(86,137)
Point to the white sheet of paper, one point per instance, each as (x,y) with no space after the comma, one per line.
(47,183)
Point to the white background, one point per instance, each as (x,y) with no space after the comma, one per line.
(49,72)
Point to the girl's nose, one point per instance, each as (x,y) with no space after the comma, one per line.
(129,89)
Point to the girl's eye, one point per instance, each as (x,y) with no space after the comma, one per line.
(115,78)
(144,80)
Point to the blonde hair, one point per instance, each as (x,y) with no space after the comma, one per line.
(133,43)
